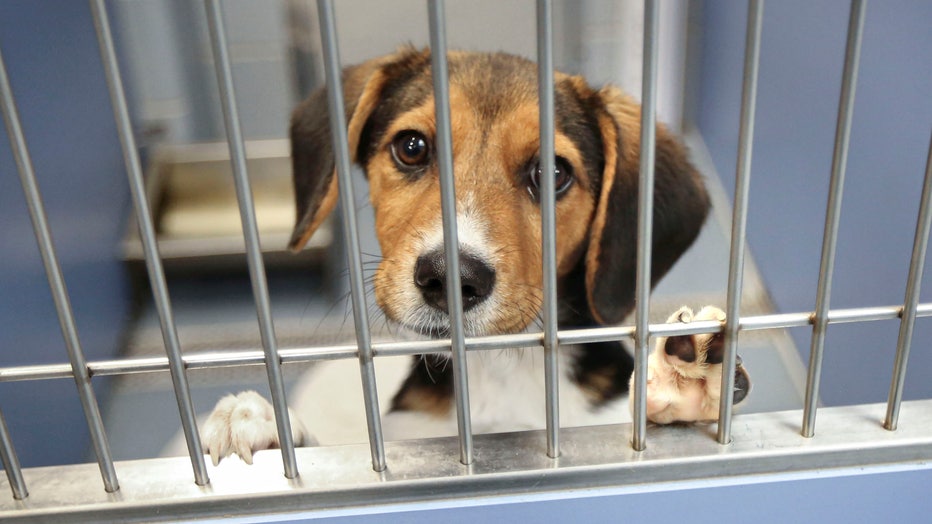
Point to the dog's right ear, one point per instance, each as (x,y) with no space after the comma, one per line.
(680,208)
(315,182)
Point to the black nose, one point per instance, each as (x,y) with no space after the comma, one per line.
(430,276)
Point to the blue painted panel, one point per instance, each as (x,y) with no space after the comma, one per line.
(802,55)
(889,497)
(53,62)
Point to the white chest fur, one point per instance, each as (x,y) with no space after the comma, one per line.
(506,390)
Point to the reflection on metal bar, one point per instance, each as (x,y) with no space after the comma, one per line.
(833,213)
(56,283)
(150,247)
(911,301)
(14,473)
(231,358)
(444,143)
(351,230)
(548,222)
(645,221)
(740,216)
(251,233)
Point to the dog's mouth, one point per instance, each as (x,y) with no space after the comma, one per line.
(436,325)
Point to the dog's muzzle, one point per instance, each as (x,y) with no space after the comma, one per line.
(477,280)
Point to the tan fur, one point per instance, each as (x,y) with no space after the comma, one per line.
(404,209)
(495,126)
(369,80)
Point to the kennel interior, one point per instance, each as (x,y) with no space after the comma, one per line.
(167,60)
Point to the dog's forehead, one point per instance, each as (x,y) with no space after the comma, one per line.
(491,82)
(494,84)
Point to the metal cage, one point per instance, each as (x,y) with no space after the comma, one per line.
(467,466)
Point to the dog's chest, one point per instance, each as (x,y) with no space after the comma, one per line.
(507,393)
(506,390)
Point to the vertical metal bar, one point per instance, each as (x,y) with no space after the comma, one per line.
(833,213)
(740,215)
(444,142)
(10,463)
(56,283)
(911,301)
(645,222)
(350,229)
(149,244)
(548,222)
(251,233)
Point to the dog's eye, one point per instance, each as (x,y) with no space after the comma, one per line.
(410,149)
(562,173)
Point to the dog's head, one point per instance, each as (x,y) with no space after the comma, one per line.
(494,112)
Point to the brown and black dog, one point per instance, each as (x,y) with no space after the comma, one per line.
(494,111)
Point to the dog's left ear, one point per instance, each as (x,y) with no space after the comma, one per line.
(315,182)
(680,207)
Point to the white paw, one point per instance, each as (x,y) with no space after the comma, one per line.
(245,423)
(685,373)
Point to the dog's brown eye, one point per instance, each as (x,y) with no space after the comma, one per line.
(410,149)
(563,177)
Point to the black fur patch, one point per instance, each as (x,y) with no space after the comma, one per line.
(680,208)
(742,384)
(429,386)
(601,369)
(407,87)
(576,118)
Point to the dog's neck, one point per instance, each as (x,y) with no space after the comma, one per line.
(601,371)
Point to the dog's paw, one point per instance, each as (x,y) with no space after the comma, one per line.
(245,423)
(685,373)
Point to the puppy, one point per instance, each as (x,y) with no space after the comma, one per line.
(495,127)
(684,373)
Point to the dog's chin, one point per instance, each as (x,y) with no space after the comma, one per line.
(432,332)
(439,328)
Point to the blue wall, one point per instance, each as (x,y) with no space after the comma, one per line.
(54,66)
(888,497)
(802,53)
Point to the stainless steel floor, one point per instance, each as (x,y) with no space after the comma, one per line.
(218,312)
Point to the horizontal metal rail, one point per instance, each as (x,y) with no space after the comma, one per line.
(220,358)
(764,447)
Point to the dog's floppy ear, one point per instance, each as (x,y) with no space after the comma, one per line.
(680,208)
(315,182)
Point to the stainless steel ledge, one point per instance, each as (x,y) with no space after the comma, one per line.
(765,446)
